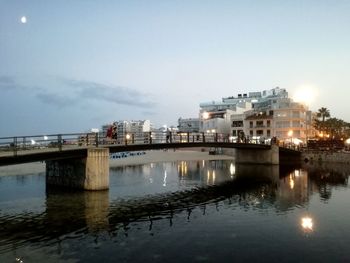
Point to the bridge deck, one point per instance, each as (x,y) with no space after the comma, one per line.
(74,151)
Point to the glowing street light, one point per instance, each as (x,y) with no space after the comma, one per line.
(128,136)
(290,134)
(205,115)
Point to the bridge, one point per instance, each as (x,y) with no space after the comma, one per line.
(81,160)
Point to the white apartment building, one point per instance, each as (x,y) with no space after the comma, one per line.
(266,114)
(290,120)
(282,118)
(259,124)
(188,125)
(216,121)
(226,116)
(137,129)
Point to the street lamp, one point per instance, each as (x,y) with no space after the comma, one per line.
(205,115)
(290,134)
(347,142)
(127,137)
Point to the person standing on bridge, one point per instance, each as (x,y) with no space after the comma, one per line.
(109,134)
(168,136)
(114,133)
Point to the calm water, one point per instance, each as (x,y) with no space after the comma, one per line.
(194,211)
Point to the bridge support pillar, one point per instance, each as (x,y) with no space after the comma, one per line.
(90,173)
(253,156)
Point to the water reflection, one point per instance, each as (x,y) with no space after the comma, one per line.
(325,176)
(181,189)
(307,224)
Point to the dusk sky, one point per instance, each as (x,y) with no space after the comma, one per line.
(75,65)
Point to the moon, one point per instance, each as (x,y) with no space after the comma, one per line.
(23,19)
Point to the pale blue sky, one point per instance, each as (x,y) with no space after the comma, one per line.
(78,64)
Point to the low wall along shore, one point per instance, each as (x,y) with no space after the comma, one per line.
(324,156)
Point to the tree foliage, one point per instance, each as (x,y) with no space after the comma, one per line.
(323,113)
(334,127)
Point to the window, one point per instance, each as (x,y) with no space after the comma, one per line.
(282,124)
(296,114)
(268,133)
(282,114)
(296,124)
(259,133)
(268,123)
(251,132)
(259,123)
(250,124)
(234,133)
(237,124)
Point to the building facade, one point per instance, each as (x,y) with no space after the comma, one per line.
(136,130)
(265,114)
(188,125)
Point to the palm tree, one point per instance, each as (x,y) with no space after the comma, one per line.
(323,113)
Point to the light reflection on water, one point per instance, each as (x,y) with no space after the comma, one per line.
(213,210)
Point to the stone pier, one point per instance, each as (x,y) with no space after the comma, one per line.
(254,156)
(90,173)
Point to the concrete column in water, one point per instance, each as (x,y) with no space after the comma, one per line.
(254,156)
(90,173)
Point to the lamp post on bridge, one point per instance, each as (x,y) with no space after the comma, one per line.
(290,135)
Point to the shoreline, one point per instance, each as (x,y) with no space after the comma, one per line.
(167,156)
(153,156)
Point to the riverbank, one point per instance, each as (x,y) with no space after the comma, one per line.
(167,156)
(149,157)
(326,156)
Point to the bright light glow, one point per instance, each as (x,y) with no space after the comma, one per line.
(213,131)
(183,168)
(291,182)
(305,94)
(290,133)
(205,115)
(347,141)
(307,224)
(296,141)
(128,136)
(23,19)
(46,138)
(232,169)
(164,179)
(32,142)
